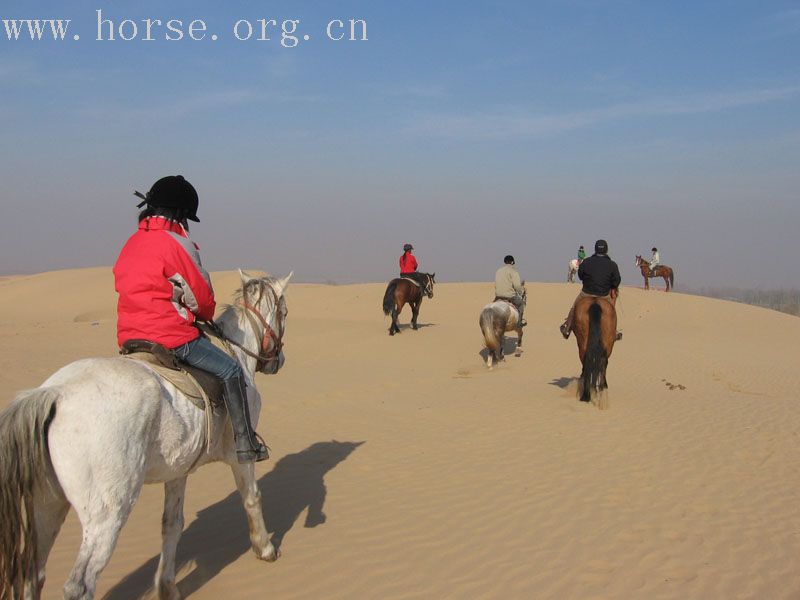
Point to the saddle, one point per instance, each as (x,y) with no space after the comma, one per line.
(499,299)
(195,383)
(411,280)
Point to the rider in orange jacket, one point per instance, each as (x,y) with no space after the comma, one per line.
(408,266)
(163,289)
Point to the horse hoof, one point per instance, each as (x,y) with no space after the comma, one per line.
(167,590)
(268,554)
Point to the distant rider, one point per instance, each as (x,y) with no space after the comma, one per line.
(601,279)
(508,286)
(581,255)
(164,289)
(655,260)
(408,266)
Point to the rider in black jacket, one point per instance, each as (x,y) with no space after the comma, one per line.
(600,277)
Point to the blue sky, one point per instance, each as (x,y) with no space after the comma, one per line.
(470,129)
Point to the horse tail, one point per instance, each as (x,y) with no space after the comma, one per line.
(489,331)
(388,297)
(596,358)
(672,278)
(24,470)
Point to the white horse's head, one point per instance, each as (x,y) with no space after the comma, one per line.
(264,306)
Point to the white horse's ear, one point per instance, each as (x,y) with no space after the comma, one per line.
(284,282)
(244,277)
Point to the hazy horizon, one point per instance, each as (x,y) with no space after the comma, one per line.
(522,128)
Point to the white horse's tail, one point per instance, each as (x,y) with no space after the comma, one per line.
(24,467)
(490,334)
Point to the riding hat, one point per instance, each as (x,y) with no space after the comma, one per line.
(509,260)
(172,191)
(601,247)
(654,249)
(407,247)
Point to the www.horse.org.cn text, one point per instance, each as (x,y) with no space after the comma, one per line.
(288,33)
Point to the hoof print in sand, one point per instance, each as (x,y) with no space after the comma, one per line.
(674,386)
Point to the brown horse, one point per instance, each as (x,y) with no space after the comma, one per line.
(401,291)
(660,271)
(595,327)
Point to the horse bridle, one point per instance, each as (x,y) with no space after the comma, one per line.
(271,343)
(428,288)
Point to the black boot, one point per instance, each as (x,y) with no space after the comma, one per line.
(249,446)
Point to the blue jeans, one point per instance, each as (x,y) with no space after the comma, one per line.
(204,355)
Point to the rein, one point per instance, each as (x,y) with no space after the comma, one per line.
(270,345)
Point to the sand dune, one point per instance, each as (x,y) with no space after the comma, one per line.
(402,468)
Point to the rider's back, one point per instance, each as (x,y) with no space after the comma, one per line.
(158,272)
(599,275)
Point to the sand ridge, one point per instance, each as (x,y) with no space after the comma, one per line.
(402,468)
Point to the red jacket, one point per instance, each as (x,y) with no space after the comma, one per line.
(408,264)
(162,285)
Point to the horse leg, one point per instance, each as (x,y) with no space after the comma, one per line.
(395,314)
(666,283)
(171,529)
(414,314)
(646,282)
(518,349)
(49,514)
(245,477)
(101,522)
(102,488)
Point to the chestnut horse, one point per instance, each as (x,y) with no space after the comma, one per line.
(403,290)
(595,327)
(660,271)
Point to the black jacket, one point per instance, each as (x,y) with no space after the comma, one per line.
(599,275)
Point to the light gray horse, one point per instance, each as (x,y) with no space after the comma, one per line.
(496,319)
(100,428)
(572,270)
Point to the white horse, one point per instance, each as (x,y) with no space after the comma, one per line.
(572,270)
(496,319)
(100,428)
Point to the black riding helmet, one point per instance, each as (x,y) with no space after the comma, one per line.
(407,247)
(654,249)
(601,247)
(509,260)
(172,191)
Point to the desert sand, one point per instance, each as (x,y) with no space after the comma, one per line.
(402,468)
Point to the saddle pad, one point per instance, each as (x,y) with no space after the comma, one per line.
(180,379)
(414,281)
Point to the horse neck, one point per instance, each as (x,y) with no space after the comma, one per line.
(236,326)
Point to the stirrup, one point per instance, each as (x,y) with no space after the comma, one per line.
(564,331)
(261,452)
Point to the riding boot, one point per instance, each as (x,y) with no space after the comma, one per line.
(566,327)
(249,446)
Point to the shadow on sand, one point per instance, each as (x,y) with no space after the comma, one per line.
(219,534)
(565,382)
(509,348)
(407,326)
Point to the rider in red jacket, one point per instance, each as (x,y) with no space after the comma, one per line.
(408,266)
(408,262)
(163,289)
